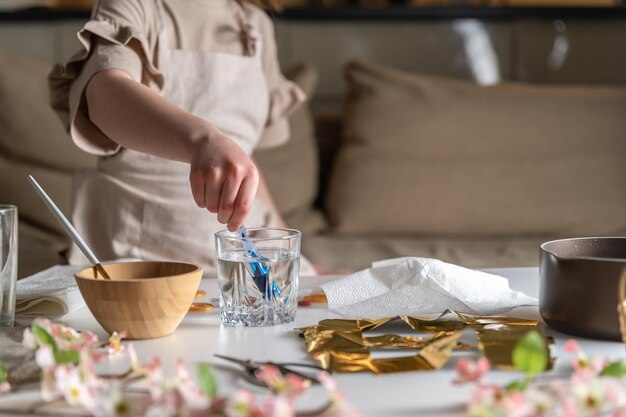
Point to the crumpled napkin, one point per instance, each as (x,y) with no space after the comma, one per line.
(50,293)
(53,292)
(421,286)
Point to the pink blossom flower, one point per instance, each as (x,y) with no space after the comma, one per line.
(619,412)
(170,396)
(615,391)
(173,401)
(471,371)
(243,404)
(327,381)
(484,395)
(134,361)
(569,408)
(115,342)
(296,384)
(156,380)
(572,346)
(539,402)
(278,406)
(107,399)
(272,377)
(5,387)
(194,398)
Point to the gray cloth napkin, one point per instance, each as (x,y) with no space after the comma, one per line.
(50,293)
(19,361)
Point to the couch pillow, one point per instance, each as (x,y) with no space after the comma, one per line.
(29,129)
(434,156)
(291,170)
(15,189)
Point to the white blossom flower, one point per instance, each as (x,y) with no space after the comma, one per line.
(45,357)
(72,387)
(109,400)
(29,340)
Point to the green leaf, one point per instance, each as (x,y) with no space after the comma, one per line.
(3,372)
(516,386)
(43,337)
(207,380)
(530,354)
(615,369)
(66,356)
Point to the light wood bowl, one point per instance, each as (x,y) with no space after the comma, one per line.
(145,299)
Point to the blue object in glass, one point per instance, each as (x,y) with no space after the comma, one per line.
(258,270)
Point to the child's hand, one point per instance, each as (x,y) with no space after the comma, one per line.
(223,179)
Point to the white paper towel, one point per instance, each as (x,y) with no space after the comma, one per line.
(420,286)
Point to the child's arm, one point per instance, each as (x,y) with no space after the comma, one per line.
(223,178)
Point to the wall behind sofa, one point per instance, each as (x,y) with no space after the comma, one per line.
(524,48)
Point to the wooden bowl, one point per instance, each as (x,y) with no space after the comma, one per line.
(145,299)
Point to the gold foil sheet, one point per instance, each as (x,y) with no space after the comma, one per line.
(340,345)
(352,354)
(498,341)
(452,321)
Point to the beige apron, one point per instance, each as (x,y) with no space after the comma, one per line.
(139,205)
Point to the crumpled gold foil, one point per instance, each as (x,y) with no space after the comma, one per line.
(459,321)
(340,345)
(497,342)
(350,352)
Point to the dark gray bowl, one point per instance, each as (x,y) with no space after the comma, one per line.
(578,289)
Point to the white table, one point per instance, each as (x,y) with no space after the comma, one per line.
(201,335)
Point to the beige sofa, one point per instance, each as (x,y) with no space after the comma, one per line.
(413,165)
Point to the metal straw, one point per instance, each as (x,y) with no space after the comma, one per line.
(69,229)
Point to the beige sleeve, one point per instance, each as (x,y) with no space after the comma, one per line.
(285,96)
(121,34)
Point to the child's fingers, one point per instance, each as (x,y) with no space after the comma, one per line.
(227,198)
(213,189)
(243,204)
(197,189)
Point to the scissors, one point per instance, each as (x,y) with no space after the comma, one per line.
(251,367)
(313,403)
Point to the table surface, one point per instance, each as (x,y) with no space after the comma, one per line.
(201,336)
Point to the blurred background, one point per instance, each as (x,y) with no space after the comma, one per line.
(484,42)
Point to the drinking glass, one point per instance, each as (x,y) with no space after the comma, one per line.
(259,289)
(8,263)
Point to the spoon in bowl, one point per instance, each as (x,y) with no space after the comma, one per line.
(69,229)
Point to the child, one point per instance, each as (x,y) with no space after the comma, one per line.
(173,95)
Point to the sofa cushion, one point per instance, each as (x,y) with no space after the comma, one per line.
(345,254)
(17,191)
(291,170)
(435,156)
(38,250)
(29,129)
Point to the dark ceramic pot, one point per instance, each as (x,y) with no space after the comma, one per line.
(578,289)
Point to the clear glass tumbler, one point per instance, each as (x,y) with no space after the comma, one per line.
(8,263)
(258,290)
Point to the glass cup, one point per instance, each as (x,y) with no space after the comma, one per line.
(258,290)
(8,263)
